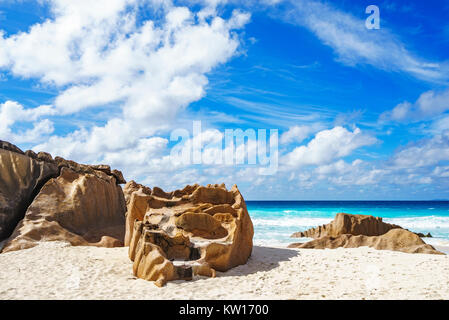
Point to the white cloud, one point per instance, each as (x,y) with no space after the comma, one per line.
(429,104)
(339,167)
(442,172)
(12,113)
(440,125)
(354,44)
(356,173)
(327,146)
(298,134)
(424,153)
(98,54)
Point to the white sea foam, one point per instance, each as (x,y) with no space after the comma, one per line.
(291,222)
(427,222)
(437,241)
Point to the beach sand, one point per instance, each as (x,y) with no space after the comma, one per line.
(55,270)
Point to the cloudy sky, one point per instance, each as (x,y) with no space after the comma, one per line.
(361,113)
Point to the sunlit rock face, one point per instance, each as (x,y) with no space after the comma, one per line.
(79,208)
(345,223)
(46,199)
(21,177)
(355,230)
(194,231)
(394,240)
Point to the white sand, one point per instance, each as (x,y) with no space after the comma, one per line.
(58,271)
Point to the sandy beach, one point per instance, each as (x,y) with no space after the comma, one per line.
(55,270)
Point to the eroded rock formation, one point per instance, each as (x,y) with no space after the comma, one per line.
(193,231)
(344,223)
(58,199)
(395,240)
(82,209)
(353,231)
(21,177)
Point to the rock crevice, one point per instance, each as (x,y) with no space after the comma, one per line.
(194,231)
(32,184)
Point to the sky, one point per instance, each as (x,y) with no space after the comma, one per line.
(359,113)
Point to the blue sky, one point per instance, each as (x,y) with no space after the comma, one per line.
(361,114)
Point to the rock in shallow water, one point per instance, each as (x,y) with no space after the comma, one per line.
(395,240)
(353,231)
(193,231)
(344,223)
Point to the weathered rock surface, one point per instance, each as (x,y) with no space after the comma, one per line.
(4,145)
(58,199)
(344,223)
(193,231)
(132,187)
(395,240)
(422,235)
(81,208)
(353,231)
(21,177)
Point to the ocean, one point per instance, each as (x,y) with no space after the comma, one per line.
(275,221)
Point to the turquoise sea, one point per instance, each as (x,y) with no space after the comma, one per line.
(275,221)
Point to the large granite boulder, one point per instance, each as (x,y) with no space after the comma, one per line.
(344,223)
(396,240)
(21,178)
(193,231)
(58,199)
(353,231)
(81,208)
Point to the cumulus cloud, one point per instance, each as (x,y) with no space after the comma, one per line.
(100,54)
(424,153)
(298,134)
(142,74)
(428,105)
(327,146)
(419,163)
(355,173)
(13,113)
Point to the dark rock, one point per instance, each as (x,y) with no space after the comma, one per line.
(118,176)
(9,147)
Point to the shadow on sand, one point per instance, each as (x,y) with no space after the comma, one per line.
(262,259)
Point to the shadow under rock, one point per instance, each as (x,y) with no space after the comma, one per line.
(262,259)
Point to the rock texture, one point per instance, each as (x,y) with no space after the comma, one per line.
(58,199)
(395,240)
(353,231)
(193,231)
(132,187)
(21,178)
(83,209)
(344,223)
